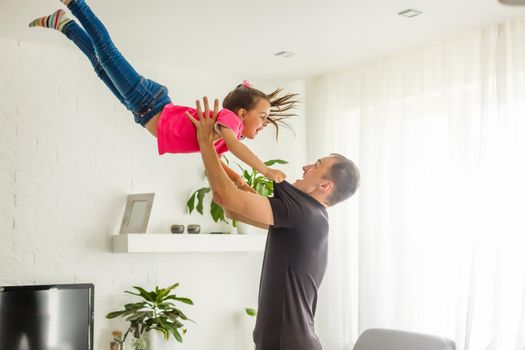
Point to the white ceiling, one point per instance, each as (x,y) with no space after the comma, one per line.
(240,37)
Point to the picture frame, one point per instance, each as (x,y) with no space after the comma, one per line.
(137,213)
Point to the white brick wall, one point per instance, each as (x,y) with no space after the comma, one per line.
(69,154)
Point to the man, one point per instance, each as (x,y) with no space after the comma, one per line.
(296,249)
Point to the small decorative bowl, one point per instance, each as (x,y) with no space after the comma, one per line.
(194,228)
(177,228)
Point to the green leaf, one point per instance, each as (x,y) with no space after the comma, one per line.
(134,306)
(161,295)
(184,300)
(264,191)
(173,286)
(165,333)
(217,213)
(174,297)
(247,177)
(190,204)
(182,315)
(153,296)
(115,314)
(144,294)
(163,306)
(275,161)
(200,198)
(138,316)
(174,318)
(251,312)
(176,334)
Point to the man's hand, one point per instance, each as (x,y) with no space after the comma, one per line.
(206,122)
(275,175)
(242,185)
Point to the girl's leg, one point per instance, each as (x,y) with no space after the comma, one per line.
(60,21)
(117,67)
(77,35)
(144,97)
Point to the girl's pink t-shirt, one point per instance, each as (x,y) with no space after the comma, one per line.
(176,133)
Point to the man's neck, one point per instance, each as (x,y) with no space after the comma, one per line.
(315,195)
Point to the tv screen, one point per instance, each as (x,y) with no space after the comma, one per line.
(47,317)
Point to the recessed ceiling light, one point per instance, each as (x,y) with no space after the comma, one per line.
(284,54)
(410,13)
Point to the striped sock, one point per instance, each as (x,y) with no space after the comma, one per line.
(57,20)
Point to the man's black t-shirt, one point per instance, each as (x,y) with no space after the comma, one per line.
(294,264)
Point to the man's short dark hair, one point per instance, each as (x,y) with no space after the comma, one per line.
(345,176)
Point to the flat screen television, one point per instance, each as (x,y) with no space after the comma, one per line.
(47,317)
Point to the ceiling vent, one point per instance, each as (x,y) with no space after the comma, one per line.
(285,54)
(410,13)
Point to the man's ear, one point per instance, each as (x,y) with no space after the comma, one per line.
(241,112)
(327,186)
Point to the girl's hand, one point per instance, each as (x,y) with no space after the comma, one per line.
(205,124)
(275,175)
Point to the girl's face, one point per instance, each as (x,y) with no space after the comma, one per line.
(255,119)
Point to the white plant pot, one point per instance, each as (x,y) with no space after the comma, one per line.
(156,341)
(245,229)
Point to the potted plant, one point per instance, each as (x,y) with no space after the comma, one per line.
(253,178)
(155,311)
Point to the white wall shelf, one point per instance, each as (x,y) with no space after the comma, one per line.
(187,243)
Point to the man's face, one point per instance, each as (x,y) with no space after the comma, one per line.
(313,174)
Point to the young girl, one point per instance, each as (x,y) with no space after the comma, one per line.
(246,110)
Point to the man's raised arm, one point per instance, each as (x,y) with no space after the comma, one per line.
(249,205)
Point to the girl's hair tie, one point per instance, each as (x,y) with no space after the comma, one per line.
(246,83)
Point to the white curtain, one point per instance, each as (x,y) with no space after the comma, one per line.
(434,242)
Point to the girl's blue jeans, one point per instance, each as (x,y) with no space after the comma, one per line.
(143,97)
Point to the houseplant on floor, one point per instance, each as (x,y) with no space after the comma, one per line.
(156,311)
(253,178)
